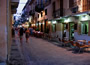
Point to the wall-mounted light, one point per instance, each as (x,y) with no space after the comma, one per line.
(54,22)
(49,22)
(84,18)
(67,20)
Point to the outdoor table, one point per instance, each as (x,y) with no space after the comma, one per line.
(82,42)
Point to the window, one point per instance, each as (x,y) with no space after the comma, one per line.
(75,26)
(38,15)
(84,28)
(41,14)
(45,11)
(71,3)
(53,6)
(54,27)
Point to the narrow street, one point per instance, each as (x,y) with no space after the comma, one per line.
(42,52)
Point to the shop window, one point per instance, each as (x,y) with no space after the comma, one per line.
(84,28)
(54,27)
(75,26)
(38,15)
(41,14)
(53,4)
(66,26)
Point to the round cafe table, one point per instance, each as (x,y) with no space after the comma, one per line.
(82,42)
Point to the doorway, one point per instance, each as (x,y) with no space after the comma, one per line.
(65,27)
(71,31)
(41,27)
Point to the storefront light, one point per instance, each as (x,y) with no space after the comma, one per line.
(67,20)
(54,22)
(43,23)
(30,19)
(33,24)
(49,22)
(27,18)
(84,18)
(39,23)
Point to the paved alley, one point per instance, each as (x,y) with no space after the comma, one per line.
(42,52)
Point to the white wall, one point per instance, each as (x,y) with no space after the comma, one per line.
(81,37)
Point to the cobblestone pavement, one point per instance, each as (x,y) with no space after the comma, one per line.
(42,52)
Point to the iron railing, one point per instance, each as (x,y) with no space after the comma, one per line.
(39,7)
(57,13)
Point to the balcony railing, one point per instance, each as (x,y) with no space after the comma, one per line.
(46,3)
(58,13)
(39,7)
(78,7)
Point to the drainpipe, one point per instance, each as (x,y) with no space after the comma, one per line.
(7,28)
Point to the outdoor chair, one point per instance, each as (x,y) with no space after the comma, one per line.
(88,42)
(61,42)
(73,45)
(65,42)
(81,46)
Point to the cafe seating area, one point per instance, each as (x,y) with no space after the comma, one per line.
(65,42)
(38,34)
(79,45)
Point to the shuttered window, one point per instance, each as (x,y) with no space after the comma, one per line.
(71,3)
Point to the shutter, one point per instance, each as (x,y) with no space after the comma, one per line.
(89,28)
(71,3)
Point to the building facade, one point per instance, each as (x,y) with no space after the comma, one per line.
(62,18)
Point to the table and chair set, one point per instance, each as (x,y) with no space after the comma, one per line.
(79,44)
(38,34)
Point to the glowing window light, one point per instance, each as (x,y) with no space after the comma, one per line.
(49,22)
(84,18)
(67,20)
(54,22)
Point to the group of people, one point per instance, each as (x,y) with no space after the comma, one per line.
(21,32)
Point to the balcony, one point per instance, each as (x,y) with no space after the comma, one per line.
(46,3)
(80,6)
(39,7)
(74,9)
(58,13)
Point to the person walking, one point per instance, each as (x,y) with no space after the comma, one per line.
(21,34)
(27,34)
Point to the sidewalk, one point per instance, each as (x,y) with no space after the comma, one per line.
(16,55)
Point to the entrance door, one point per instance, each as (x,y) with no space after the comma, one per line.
(65,26)
(41,27)
(71,32)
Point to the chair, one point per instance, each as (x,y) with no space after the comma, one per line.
(65,42)
(88,42)
(60,41)
(81,46)
(72,43)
